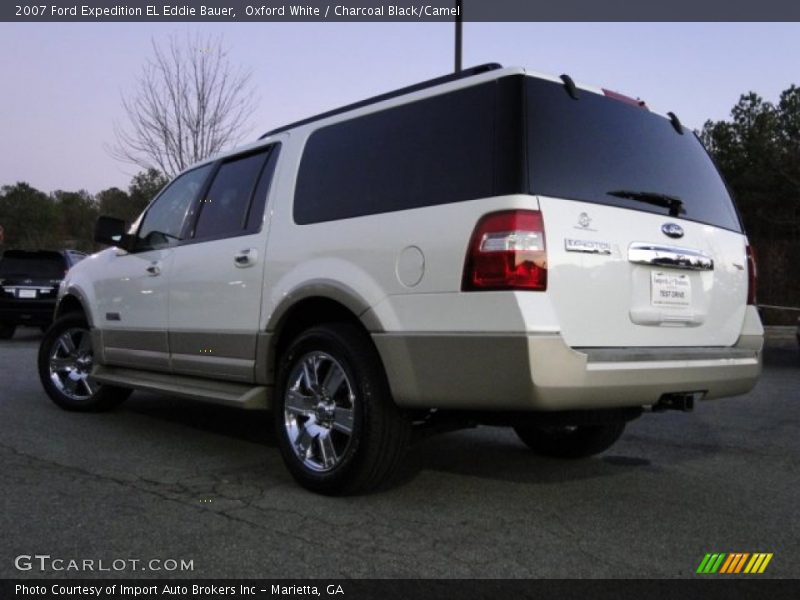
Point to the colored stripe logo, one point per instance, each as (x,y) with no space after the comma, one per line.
(734,563)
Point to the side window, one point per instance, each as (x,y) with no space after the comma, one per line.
(163,222)
(225,206)
(432,151)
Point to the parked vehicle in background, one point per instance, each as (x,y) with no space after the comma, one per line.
(29,281)
(493,247)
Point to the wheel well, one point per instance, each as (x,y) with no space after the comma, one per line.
(307,313)
(69,304)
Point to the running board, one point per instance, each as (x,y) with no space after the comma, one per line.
(240,395)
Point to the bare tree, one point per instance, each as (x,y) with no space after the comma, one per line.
(190,103)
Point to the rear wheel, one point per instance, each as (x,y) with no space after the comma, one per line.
(338,428)
(7,331)
(576,441)
(65,362)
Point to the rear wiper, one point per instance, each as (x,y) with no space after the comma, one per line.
(673,203)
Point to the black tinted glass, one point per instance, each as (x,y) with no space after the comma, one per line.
(255,215)
(583,149)
(434,151)
(223,210)
(33,267)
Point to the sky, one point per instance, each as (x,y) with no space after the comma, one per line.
(62,83)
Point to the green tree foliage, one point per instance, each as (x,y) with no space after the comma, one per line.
(32,219)
(758,151)
(77,213)
(127,206)
(115,202)
(144,187)
(28,217)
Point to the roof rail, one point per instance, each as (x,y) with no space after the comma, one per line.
(393,94)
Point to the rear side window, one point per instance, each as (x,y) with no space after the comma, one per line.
(225,207)
(587,148)
(434,151)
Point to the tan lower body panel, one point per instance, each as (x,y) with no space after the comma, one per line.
(137,349)
(540,372)
(213,354)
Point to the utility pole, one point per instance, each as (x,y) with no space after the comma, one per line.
(459,26)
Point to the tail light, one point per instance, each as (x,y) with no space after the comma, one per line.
(507,251)
(752,275)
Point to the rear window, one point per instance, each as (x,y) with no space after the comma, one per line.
(583,149)
(32,266)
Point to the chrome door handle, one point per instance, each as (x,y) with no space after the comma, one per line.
(245,258)
(154,269)
(670,257)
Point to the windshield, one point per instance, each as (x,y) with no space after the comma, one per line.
(598,149)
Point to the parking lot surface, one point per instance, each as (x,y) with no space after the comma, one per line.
(164,478)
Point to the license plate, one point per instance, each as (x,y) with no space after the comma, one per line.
(26,294)
(670,289)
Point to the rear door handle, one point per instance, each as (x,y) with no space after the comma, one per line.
(669,257)
(154,268)
(245,258)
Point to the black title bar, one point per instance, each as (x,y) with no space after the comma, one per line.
(410,10)
(697,588)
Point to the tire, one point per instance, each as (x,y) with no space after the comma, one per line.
(7,331)
(338,429)
(570,442)
(65,360)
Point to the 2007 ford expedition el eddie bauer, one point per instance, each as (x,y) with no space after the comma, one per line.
(492,247)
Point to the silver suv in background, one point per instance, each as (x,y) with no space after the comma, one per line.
(494,247)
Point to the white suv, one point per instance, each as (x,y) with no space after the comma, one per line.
(496,246)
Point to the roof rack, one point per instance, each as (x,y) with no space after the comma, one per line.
(393,94)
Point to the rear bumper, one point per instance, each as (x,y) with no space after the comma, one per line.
(540,372)
(37,312)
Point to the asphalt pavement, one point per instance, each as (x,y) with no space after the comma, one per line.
(164,479)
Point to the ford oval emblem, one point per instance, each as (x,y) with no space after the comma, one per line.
(672,230)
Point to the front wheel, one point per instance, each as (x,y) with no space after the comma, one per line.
(338,428)
(575,441)
(65,361)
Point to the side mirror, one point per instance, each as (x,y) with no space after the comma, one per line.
(111,231)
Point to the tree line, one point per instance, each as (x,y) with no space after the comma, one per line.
(32,219)
(758,152)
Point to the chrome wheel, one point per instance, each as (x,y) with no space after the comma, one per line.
(70,363)
(318,411)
